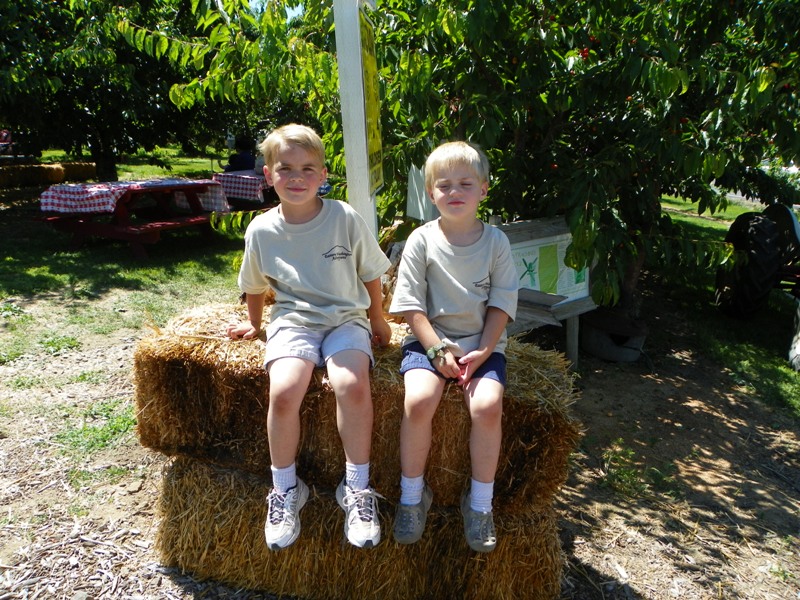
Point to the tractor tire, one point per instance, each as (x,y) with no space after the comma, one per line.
(794,348)
(744,290)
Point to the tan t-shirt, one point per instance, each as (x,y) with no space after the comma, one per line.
(317,269)
(455,285)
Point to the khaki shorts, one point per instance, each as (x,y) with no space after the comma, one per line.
(317,346)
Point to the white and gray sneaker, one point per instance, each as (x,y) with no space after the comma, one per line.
(361,525)
(283,515)
(478,527)
(409,520)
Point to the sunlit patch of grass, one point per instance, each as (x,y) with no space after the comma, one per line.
(621,472)
(624,475)
(105,424)
(25,382)
(91,377)
(78,510)
(54,344)
(11,351)
(755,351)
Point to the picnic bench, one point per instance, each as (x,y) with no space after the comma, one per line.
(538,246)
(132,211)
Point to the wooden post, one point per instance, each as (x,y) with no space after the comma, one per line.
(360,107)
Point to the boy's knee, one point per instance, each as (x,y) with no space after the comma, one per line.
(420,406)
(486,409)
(353,392)
(285,401)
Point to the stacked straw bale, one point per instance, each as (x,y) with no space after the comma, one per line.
(202,398)
(213,527)
(202,395)
(35,174)
(22,175)
(79,171)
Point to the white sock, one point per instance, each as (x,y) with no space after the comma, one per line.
(284,479)
(356,476)
(411,489)
(480,496)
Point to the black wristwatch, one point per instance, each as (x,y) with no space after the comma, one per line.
(437,350)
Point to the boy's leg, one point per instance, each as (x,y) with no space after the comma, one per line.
(423,391)
(348,356)
(423,394)
(348,372)
(289,379)
(484,400)
(288,382)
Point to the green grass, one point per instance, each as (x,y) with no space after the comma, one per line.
(754,351)
(684,212)
(623,473)
(104,424)
(54,296)
(160,162)
(80,478)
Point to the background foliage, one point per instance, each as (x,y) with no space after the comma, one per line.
(592,109)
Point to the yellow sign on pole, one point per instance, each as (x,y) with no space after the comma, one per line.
(372,100)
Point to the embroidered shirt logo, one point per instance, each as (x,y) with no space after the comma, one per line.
(484,284)
(338,253)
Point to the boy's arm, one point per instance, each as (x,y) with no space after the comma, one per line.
(381,332)
(421,328)
(255,313)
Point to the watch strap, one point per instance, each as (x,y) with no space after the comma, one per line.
(436,350)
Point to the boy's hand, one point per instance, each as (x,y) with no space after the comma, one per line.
(468,364)
(242,331)
(381,332)
(448,366)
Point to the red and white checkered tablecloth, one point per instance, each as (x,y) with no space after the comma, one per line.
(244,185)
(103,197)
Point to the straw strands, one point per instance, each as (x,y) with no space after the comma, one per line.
(203,396)
(212,525)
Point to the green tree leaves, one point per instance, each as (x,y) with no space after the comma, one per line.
(592,109)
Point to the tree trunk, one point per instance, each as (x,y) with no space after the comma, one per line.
(106,166)
(630,301)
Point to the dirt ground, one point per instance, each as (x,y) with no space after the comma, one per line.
(705,503)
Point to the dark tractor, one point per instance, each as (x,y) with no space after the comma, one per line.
(770,241)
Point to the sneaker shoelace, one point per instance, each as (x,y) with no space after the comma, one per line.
(364,502)
(482,527)
(277,507)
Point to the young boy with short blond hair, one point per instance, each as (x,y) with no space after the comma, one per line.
(457,289)
(324,266)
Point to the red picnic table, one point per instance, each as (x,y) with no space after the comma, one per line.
(243,188)
(132,211)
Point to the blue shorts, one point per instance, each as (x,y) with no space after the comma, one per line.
(414,357)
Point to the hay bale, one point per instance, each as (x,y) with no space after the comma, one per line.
(23,175)
(201,395)
(79,171)
(211,524)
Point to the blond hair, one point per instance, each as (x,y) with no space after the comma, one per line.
(291,135)
(452,154)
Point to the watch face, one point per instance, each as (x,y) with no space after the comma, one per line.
(431,353)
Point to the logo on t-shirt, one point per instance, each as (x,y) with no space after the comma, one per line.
(338,253)
(484,284)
